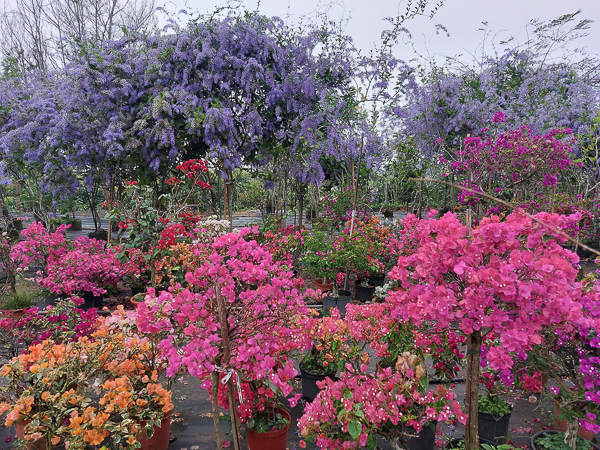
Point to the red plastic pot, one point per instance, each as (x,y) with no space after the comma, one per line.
(40,444)
(323,286)
(271,440)
(160,438)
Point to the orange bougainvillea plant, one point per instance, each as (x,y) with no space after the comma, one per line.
(85,392)
(173,267)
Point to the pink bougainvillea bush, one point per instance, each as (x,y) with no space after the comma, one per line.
(65,267)
(86,267)
(260,300)
(39,245)
(510,276)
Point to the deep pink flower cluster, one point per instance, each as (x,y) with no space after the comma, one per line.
(261,300)
(87,266)
(84,265)
(511,276)
(348,413)
(39,245)
(513,159)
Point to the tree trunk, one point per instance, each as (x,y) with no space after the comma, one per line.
(300,203)
(452,195)
(214,392)
(572,433)
(472,394)
(235,426)
(420,210)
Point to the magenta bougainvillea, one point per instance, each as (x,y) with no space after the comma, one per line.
(261,298)
(512,276)
(68,267)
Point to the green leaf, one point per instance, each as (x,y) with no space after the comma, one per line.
(371,442)
(348,395)
(250,424)
(354,428)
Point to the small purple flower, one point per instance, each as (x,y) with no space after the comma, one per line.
(554,390)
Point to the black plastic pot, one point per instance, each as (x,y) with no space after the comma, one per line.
(454,444)
(91,301)
(583,253)
(425,440)
(364,294)
(100,235)
(339,302)
(138,290)
(541,433)
(377,280)
(76,225)
(310,390)
(311,214)
(492,428)
(48,300)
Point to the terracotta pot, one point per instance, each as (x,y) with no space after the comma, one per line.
(15,313)
(134,303)
(323,286)
(271,440)
(160,438)
(40,444)
(561,425)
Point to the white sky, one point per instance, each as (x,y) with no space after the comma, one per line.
(461,17)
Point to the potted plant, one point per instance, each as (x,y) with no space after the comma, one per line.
(361,405)
(493,416)
(45,386)
(152,230)
(569,358)
(332,347)
(555,440)
(448,256)
(15,304)
(315,259)
(337,298)
(88,269)
(136,273)
(82,391)
(61,323)
(244,326)
(267,423)
(137,299)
